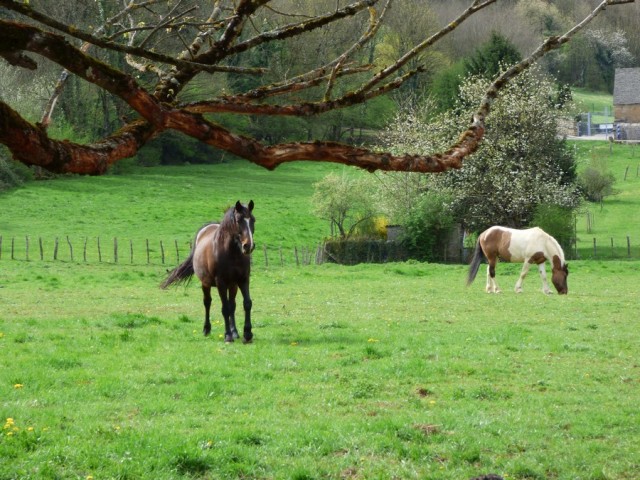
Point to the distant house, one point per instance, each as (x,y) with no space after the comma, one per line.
(626,103)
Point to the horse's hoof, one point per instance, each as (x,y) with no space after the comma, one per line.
(228,339)
(247,340)
(206,332)
(235,335)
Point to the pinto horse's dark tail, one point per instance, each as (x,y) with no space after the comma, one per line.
(478,255)
(181,274)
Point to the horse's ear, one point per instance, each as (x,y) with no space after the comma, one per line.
(251,205)
(238,206)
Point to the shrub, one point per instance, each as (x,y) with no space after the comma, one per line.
(596,182)
(427,227)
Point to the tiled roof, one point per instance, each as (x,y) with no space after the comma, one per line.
(626,89)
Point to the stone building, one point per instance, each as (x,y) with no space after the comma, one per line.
(626,103)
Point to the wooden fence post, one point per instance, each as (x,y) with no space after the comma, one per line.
(595,250)
(611,246)
(13,241)
(55,249)
(84,249)
(99,251)
(177,252)
(115,249)
(162,251)
(41,249)
(70,248)
(26,246)
(131,250)
(148,260)
(295,251)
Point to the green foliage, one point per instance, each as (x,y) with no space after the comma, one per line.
(427,227)
(590,60)
(12,174)
(346,202)
(557,221)
(362,250)
(487,60)
(445,86)
(596,181)
(172,148)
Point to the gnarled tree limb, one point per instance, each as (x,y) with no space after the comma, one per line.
(158,111)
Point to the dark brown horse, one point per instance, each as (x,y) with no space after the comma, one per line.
(221,257)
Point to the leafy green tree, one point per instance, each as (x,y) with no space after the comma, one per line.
(485,61)
(346,202)
(490,57)
(446,84)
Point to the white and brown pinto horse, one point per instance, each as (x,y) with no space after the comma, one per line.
(221,257)
(531,246)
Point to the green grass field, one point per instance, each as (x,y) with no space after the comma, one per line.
(365,372)
(619,216)
(377,371)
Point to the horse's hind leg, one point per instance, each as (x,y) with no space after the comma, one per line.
(492,286)
(206,291)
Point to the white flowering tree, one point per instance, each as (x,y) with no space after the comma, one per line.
(521,165)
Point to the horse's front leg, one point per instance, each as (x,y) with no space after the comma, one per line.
(206,292)
(247,304)
(233,291)
(543,275)
(226,311)
(523,273)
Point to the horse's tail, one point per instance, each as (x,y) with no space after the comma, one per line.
(181,274)
(476,259)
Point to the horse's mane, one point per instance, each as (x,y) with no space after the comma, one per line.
(228,222)
(557,246)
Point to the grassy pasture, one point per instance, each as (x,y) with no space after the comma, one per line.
(163,203)
(380,371)
(373,371)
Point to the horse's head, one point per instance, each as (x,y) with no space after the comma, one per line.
(246,226)
(559,276)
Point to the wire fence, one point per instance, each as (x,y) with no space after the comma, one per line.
(146,251)
(172,252)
